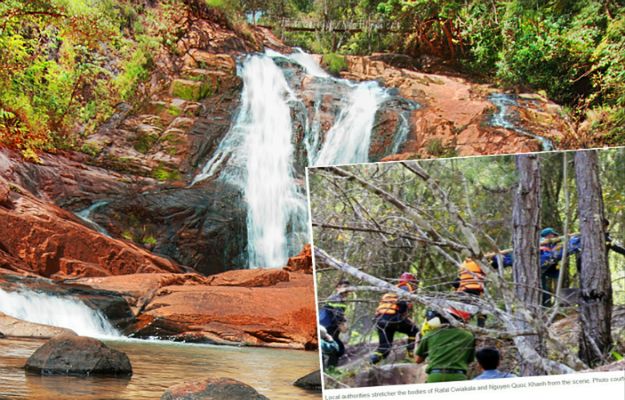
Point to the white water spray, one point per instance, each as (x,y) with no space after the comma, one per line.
(503,102)
(85,215)
(258,152)
(349,139)
(62,312)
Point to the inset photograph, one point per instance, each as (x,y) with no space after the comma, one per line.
(470,268)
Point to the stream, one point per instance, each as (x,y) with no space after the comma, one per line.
(158,365)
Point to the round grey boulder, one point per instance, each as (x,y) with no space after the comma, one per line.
(78,355)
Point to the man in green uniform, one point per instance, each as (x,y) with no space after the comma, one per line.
(449,350)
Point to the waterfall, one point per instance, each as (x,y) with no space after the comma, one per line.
(503,102)
(85,215)
(258,154)
(349,138)
(63,312)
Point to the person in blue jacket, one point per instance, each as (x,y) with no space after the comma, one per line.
(551,253)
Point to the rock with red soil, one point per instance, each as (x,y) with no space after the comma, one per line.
(18,328)
(301,262)
(250,278)
(5,195)
(78,355)
(271,308)
(212,389)
(454,115)
(52,242)
(282,315)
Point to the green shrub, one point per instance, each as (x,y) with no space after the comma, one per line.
(334,63)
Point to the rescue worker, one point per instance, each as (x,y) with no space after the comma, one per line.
(549,263)
(448,350)
(332,318)
(470,281)
(393,315)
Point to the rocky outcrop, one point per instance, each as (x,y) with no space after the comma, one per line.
(78,355)
(272,308)
(311,381)
(203,226)
(53,243)
(454,117)
(301,262)
(212,389)
(17,328)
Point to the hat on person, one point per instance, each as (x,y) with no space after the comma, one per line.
(548,231)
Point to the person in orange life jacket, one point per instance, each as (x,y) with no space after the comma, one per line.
(392,315)
(449,350)
(332,318)
(470,281)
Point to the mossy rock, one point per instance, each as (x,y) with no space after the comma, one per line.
(189,90)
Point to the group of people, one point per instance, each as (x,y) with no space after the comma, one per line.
(448,348)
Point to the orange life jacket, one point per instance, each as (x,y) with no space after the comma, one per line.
(471,276)
(388,304)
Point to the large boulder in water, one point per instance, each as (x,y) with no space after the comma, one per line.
(78,355)
(311,381)
(212,389)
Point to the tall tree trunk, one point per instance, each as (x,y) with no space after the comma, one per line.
(525,237)
(595,307)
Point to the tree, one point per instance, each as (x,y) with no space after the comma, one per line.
(595,304)
(525,237)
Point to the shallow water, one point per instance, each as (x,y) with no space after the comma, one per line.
(157,366)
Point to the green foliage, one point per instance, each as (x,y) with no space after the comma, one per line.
(334,63)
(67,63)
(163,173)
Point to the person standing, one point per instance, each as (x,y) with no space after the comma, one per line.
(332,318)
(393,315)
(449,350)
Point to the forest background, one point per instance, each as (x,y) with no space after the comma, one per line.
(66,64)
(425,217)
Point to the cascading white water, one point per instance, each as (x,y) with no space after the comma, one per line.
(349,138)
(258,152)
(85,215)
(63,312)
(503,102)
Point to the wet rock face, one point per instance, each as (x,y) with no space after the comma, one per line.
(212,389)
(202,226)
(78,355)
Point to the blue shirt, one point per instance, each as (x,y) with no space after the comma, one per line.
(494,374)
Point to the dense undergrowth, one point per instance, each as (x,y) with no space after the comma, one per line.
(66,64)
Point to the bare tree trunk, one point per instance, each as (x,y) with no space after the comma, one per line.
(595,307)
(525,237)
